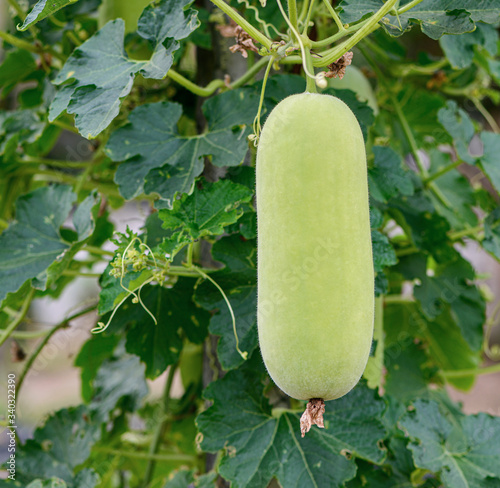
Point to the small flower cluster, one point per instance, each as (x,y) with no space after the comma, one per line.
(138,260)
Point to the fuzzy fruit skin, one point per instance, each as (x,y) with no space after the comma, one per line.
(315,270)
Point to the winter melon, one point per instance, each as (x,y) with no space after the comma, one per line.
(315,269)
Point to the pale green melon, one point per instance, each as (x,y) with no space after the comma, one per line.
(315,268)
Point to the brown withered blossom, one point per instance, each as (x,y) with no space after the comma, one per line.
(313,415)
(244,42)
(338,67)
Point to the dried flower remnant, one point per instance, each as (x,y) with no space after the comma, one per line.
(313,415)
(338,67)
(244,42)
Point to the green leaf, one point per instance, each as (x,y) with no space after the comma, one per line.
(159,345)
(458,124)
(420,108)
(32,246)
(162,161)
(16,66)
(460,50)
(450,351)
(491,241)
(183,478)
(119,381)
(259,444)
(407,364)
(489,159)
(279,87)
(93,353)
(465,454)
(210,208)
(456,193)
(18,128)
(43,9)
(51,483)
(239,281)
(435,17)
(100,73)
(450,285)
(112,291)
(387,178)
(57,448)
(406,379)
(383,252)
(429,231)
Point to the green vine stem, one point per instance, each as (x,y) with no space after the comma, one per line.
(166,458)
(488,117)
(58,163)
(371,25)
(214,85)
(408,6)
(307,20)
(442,171)
(256,123)
(406,251)
(194,88)
(160,429)
(19,318)
(388,299)
(43,343)
(243,23)
(292,13)
(28,334)
(98,251)
(20,43)
(243,354)
(72,272)
(310,82)
(303,11)
(338,35)
(493,352)
(459,234)
(495,368)
(66,126)
(335,16)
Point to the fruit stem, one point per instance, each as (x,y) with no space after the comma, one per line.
(310,82)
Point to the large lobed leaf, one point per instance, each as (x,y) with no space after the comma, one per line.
(158,159)
(464,454)
(32,247)
(210,208)
(436,17)
(99,73)
(260,444)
